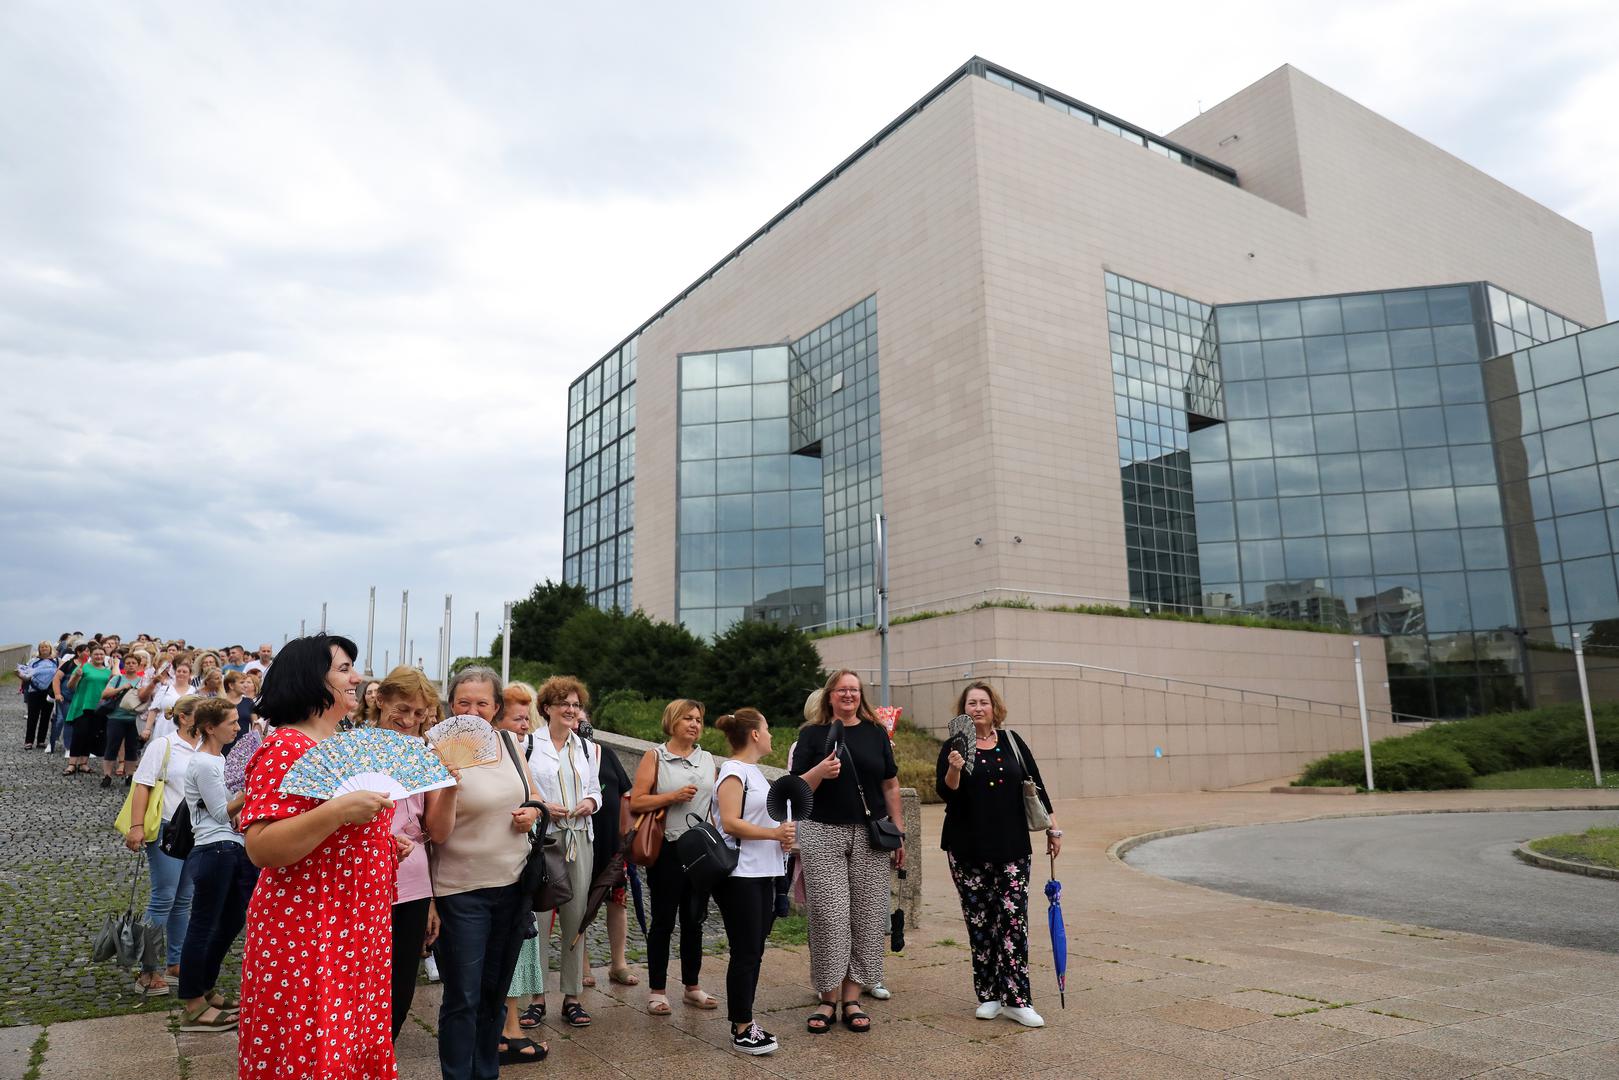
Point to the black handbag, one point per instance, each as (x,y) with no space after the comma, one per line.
(545,873)
(703,852)
(178,838)
(881,831)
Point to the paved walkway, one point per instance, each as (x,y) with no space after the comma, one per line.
(1165,980)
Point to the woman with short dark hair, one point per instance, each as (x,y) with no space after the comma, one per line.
(315,978)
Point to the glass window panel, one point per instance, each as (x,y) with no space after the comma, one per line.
(696,371)
(1344,513)
(1458,385)
(1428,468)
(697,514)
(772,547)
(1451,305)
(733,475)
(697,478)
(1331,393)
(1609,473)
(1434,508)
(1378,430)
(1350,555)
(696,442)
(1491,600)
(734,368)
(1394,553)
(1563,404)
(770,472)
(696,553)
(1602,393)
(732,440)
(1289,397)
(1417,386)
(1373,390)
(1455,345)
(1591,593)
(1606,434)
(1441,550)
(1279,320)
(734,403)
(1249,438)
(1569,447)
(1241,360)
(1555,362)
(733,586)
(1246,401)
(1406,309)
(1368,352)
(770,399)
(770,512)
(1215,521)
(696,588)
(1292,435)
(806,508)
(1425,427)
(1363,312)
(1339,472)
(1262,561)
(1237,322)
(1254,479)
(1294,476)
(1576,490)
(1478,506)
(1218,561)
(734,549)
(1336,434)
(1211,480)
(1257,519)
(1388,511)
(697,406)
(1599,348)
(1300,517)
(1306,558)
(1411,348)
(1284,358)
(1444,598)
(1325,355)
(1582,535)
(807,545)
(1321,316)
(1383,470)
(770,436)
(1484,549)
(770,365)
(734,512)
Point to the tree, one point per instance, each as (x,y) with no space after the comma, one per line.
(658,660)
(587,647)
(536,620)
(772,668)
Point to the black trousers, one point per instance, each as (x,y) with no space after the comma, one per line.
(89,734)
(410,930)
(123,736)
(39,717)
(748,906)
(673,895)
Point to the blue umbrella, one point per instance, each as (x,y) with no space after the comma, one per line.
(1059,933)
(635,895)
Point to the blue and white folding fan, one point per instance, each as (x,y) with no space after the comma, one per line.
(368,759)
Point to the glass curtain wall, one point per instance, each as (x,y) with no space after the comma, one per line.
(1353,483)
(1153,337)
(598,544)
(1555,411)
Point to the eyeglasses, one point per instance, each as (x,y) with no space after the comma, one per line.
(847,693)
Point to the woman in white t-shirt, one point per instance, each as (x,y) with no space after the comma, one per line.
(164,692)
(747,898)
(167,758)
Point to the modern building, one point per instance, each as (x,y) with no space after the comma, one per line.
(1238,369)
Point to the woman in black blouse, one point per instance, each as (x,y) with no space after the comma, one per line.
(986,838)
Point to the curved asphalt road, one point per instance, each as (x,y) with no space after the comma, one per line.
(1453,871)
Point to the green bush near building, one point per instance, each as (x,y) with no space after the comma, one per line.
(1455,754)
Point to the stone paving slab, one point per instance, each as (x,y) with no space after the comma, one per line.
(1164,980)
(16,1045)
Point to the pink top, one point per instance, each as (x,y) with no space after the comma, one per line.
(415,883)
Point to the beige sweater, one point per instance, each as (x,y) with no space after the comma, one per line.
(483,850)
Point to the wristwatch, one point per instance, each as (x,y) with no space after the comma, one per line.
(1055,834)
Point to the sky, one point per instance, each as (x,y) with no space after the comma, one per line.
(291,293)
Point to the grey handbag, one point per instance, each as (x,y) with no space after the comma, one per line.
(1033,809)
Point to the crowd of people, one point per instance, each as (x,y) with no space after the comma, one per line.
(343,899)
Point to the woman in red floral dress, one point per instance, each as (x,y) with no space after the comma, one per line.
(316,964)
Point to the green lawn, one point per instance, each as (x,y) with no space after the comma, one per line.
(1547,776)
(1596,846)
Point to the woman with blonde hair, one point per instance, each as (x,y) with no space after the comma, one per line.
(517,712)
(846,757)
(37,677)
(676,777)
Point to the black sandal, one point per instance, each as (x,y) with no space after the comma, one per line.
(514,1052)
(532,1017)
(575,1015)
(819,1023)
(852,1017)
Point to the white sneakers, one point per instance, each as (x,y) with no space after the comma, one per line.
(1025,1016)
(989,1010)
(879,991)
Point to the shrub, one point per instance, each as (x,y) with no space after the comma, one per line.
(771,668)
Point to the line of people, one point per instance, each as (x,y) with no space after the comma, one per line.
(341,899)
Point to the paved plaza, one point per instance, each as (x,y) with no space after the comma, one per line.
(1165,979)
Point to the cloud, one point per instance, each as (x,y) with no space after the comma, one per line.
(290,297)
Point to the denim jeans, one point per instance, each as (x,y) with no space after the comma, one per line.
(222,883)
(480,933)
(170,906)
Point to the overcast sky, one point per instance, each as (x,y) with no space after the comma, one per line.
(291,293)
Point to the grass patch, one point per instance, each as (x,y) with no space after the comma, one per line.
(790,930)
(1545,776)
(1457,753)
(1596,846)
(36,1054)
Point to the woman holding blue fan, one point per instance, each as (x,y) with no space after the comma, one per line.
(316,964)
